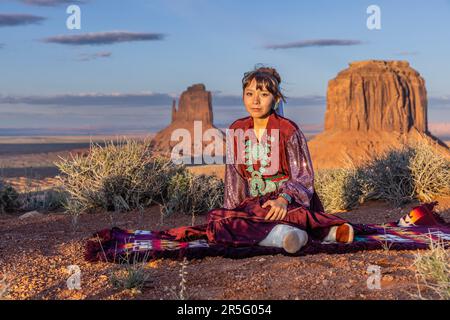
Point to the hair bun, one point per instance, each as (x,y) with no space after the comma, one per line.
(270,71)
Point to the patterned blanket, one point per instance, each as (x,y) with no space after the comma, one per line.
(413,231)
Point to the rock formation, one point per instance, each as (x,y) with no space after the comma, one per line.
(195,104)
(371,106)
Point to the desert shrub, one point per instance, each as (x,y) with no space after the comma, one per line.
(338,189)
(117,176)
(388,177)
(43,200)
(397,176)
(8,197)
(194,194)
(401,175)
(430,172)
(433,269)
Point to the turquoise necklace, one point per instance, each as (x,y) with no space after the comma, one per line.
(258,151)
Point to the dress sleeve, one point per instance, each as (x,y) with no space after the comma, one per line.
(300,185)
(235,187)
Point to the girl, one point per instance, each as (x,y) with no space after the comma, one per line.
(269,200)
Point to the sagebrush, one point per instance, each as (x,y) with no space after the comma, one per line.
(398,176)
(8,198)
(127,175)
(433,270)
(194,194)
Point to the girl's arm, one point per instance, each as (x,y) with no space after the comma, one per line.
(300,186)
(235,187)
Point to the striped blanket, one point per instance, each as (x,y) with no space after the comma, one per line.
(413,231)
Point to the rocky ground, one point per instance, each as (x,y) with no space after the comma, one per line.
(35,255)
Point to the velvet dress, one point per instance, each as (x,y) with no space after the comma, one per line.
(258,170)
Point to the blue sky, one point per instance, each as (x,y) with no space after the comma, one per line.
(203,41)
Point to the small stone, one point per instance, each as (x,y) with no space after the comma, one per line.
(30,214)
(388,278)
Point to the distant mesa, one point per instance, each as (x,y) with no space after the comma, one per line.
(195,104)
(371,106)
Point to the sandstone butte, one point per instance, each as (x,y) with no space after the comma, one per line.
(372,106)
(195,104)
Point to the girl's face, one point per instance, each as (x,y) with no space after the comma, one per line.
(258,102)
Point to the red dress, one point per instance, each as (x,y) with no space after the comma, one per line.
(240,222)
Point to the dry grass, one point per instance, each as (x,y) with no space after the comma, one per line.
(388,177)
(131,276)
(338,189)
(127,175)
(30,196)
(115,177)
(433,270)
(385,243)
(430,173)
(398,177)
(131,273)
(44,200)
(194,194)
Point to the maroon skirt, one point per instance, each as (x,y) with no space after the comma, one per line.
(245,225)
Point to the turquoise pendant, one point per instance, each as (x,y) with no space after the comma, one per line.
(259,151)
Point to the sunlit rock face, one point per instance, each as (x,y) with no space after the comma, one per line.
(377,95)
(372,105)
(195,105)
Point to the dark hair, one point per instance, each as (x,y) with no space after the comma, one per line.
(265,77)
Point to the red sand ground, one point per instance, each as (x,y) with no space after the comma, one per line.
(36,252)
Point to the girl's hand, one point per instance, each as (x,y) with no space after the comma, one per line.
(278,209)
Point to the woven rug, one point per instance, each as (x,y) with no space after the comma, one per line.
(413,231)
